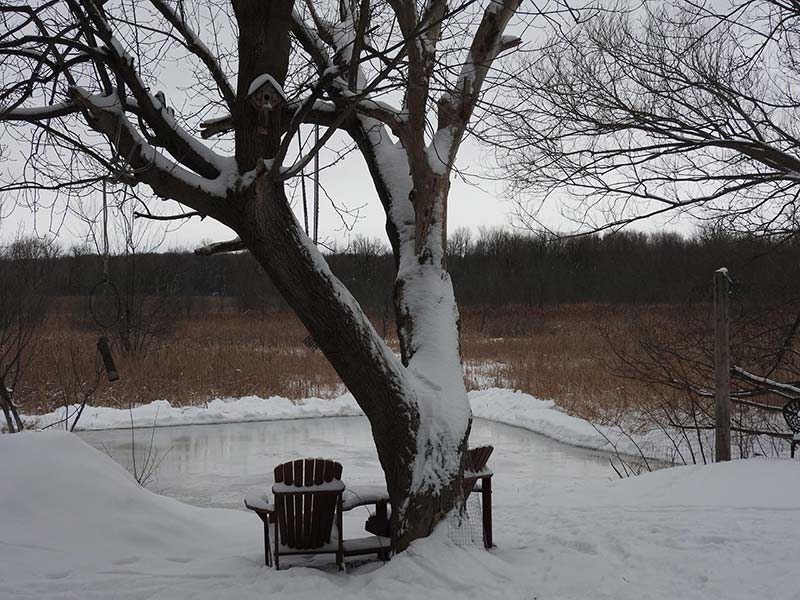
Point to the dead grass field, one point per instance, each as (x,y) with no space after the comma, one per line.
(554,352)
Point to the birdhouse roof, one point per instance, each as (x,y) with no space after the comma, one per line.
(263,80)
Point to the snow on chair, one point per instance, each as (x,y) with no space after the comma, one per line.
(308,501)
(791,413)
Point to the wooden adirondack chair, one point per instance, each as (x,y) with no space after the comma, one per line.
(478,478)
(308,501)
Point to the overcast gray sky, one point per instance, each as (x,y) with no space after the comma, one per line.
(347,184)
(479,203)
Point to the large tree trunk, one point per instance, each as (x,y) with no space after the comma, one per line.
(428,329)
(417,407)
(419,414)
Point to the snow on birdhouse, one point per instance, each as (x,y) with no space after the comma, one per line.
(264,91)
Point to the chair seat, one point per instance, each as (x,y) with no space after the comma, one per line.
(796,436)
(363,545)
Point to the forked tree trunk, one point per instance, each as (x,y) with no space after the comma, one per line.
(410,409)
(417,407)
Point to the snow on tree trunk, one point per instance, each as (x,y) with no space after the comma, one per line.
(428,328)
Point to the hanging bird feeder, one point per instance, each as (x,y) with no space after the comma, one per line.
(108,316)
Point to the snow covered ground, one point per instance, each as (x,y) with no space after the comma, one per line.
(73,524)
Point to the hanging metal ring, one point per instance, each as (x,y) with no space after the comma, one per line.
(109,290)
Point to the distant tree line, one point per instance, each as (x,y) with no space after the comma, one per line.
(493,267)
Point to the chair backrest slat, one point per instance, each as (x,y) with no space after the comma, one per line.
(333,471)
(478,457)
(280,504)
(291,536)
(298,504)
(308,502)
(328,471)
(318,505)
(305,520)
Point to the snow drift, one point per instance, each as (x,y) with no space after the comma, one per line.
(75,525)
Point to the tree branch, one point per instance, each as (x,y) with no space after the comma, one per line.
(234,245)
(199,49)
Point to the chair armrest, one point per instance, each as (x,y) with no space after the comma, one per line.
(259,502)
(486,472)
(363,495)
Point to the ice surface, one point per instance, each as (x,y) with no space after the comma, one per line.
(217,465)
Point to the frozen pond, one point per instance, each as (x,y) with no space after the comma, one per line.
(216,465)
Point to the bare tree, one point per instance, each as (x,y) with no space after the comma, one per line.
(641,109)
(674,355)
(78,379)
(401,78)
(24,303)
(144,316)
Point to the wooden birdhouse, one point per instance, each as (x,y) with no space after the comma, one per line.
(265,95)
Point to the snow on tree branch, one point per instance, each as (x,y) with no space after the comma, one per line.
(145,164)
(784,389)
(455,107)
(184,147)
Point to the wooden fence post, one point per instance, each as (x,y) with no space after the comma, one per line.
(722,366)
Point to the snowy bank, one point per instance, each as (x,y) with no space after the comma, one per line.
(230,410)
(540,416)
(75,525)
(494,404)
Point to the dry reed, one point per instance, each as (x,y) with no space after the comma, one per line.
(554,352)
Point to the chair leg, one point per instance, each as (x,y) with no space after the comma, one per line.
(794,445)
(486,497)
(267,549)
(340,531)
(277,556)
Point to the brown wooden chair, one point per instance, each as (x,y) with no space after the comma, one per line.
(478,478)
(307,503)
